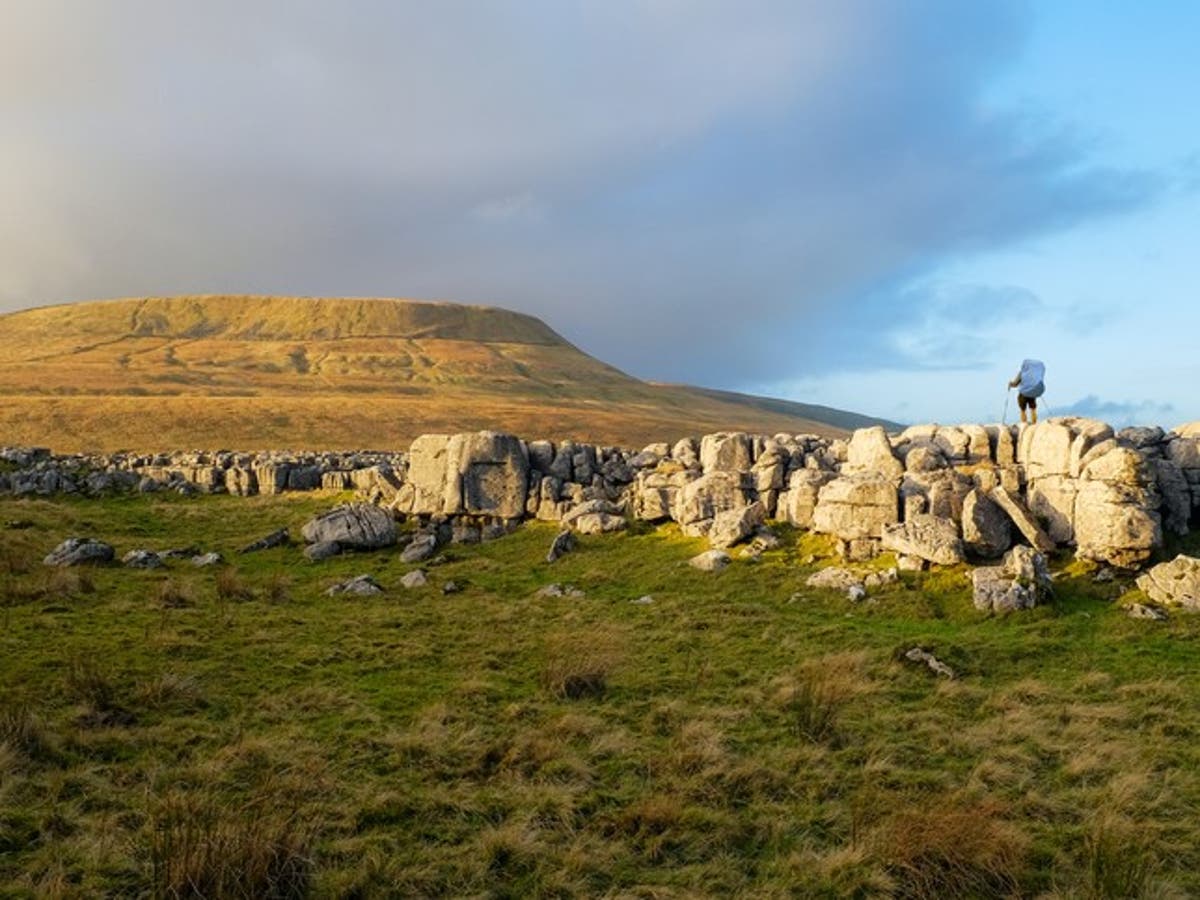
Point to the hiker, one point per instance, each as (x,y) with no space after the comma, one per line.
(1030,386)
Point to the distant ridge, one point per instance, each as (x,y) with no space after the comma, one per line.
(258,372)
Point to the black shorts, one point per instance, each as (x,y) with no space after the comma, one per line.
(1024,402)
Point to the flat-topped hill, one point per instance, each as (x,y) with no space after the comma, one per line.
(252,371)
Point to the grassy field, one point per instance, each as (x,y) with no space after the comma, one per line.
(238,733)
(321,373)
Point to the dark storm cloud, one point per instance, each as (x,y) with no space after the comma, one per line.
(683,189)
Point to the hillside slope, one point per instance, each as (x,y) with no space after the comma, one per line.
(334,373)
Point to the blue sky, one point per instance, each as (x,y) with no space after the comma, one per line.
(881,205)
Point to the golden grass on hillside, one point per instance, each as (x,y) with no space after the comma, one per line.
(255,372)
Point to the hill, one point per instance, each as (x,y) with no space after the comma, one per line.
(249,371)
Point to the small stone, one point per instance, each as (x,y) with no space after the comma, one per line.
(856,593)
(420,548)
(1146,611)
(142,559)
(451,587)
(359,586)
(202,560)
(274,539)
(415,579)
(560,590)
(644,600)
(881,578)
(322,550)
(564,542)
(181,552)
(834,578)
(710,561)
(935,665)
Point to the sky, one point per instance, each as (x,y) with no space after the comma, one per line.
(879,205)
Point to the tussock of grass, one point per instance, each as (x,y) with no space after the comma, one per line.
(200,847)
(172,594)
(23,733)
(231,587)
(1118,857)
(579,665)
(953,847)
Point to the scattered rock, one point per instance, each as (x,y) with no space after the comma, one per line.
(415,579)
(881,578)
(80,552)
(1174,583)
(18,524)
(644,600)
(1022,582)
(564,542)
(181,552)
(834,578)
(710,561)
(355,526)
(856,593)
(203,560)
(359,586)
(274,539)
(451,587)
(142,559)
(560,590)
(322,550)
(1146,611)
(420,548)
(935,665)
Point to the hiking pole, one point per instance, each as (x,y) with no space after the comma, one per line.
(1004,418)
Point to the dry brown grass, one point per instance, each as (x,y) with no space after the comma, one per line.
(173,594)
(231,587)
(813,697)
(579,665)
(200,847)
(308,373)
(952,846)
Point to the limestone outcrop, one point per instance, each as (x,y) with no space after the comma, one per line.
(1069,483)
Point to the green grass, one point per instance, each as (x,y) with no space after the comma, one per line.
(244,733)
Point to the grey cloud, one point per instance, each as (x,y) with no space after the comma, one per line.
(676,187)
(1144,412)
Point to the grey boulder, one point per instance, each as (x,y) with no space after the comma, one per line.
(356,526)
(80,552)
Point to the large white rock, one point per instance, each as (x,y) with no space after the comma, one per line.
(856,506)
(1174,583)
(725,452)
(483,473)
(711,493)
(1116,513)
(931,538)
(870,452)
(797,503)
(734,525)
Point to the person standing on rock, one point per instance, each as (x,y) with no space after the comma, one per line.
(1030,385)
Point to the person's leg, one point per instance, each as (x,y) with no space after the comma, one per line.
(1022,404)
(1033,409)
